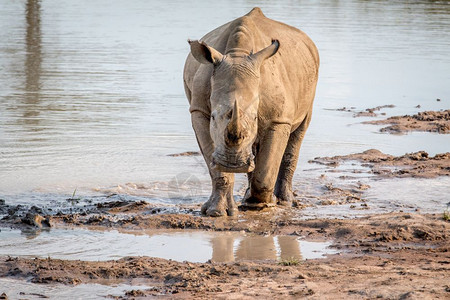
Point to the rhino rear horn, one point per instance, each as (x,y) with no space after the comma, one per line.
(267,52)
(204,53)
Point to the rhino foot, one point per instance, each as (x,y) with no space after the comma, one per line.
(252,203)
(217,206)
(284,198)
(255,206)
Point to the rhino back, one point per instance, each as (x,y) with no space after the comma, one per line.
(288,79)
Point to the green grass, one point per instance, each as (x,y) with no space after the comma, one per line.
(446,215)
(292,261)
(72,199)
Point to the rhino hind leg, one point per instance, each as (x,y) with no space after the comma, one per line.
(260,195)
(283,187)
(221,201)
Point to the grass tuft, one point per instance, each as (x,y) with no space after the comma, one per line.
(292,261)
(446,215)
(72,199)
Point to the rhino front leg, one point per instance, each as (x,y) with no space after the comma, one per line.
(283,187)
(267,164)
(221,201)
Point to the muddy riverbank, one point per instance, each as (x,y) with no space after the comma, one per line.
(395,256)
(428,121)
(416,165)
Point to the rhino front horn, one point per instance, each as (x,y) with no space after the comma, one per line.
(234,133)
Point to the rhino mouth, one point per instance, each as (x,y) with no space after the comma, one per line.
(233,164)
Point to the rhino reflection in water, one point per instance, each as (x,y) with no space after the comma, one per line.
(251,84)
(254,248)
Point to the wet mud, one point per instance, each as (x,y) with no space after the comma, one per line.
(368,112)
(122,214)
(395,256)
(417,164)
(392,255)
(187,153)
(428,121)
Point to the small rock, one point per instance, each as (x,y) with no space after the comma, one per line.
(47,222)
(33,219)
(214,271)
(37,220)
(328,202)
(135,293)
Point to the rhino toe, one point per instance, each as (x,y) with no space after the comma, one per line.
(256,203)
(214,209)
(215,213)
(284,196)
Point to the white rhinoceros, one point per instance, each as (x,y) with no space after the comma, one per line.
(250,85)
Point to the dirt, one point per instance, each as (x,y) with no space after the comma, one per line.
(368,112)
(371,112)
(417,164)
(136,215)
(428,121)
(390,256)
(187,153)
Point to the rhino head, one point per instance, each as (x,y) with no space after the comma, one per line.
(234,100)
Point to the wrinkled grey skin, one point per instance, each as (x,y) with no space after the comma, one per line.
(251,85)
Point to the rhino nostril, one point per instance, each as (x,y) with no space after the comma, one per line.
(233,138)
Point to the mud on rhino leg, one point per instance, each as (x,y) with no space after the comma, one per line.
(221,201)
(283,187)
(267,163)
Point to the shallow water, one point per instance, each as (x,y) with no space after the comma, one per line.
(20,289)
(92,98)
(198,246)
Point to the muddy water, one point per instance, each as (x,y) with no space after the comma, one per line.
(20,289)
(91,93)
(198,246)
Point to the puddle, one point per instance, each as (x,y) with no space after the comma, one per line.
(20,289)
(186,245)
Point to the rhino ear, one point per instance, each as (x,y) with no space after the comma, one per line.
(204,53)
(267,52)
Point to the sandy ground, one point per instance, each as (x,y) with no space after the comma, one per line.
(388,256)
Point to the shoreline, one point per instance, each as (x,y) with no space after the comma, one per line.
(380,256)
(395,255)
